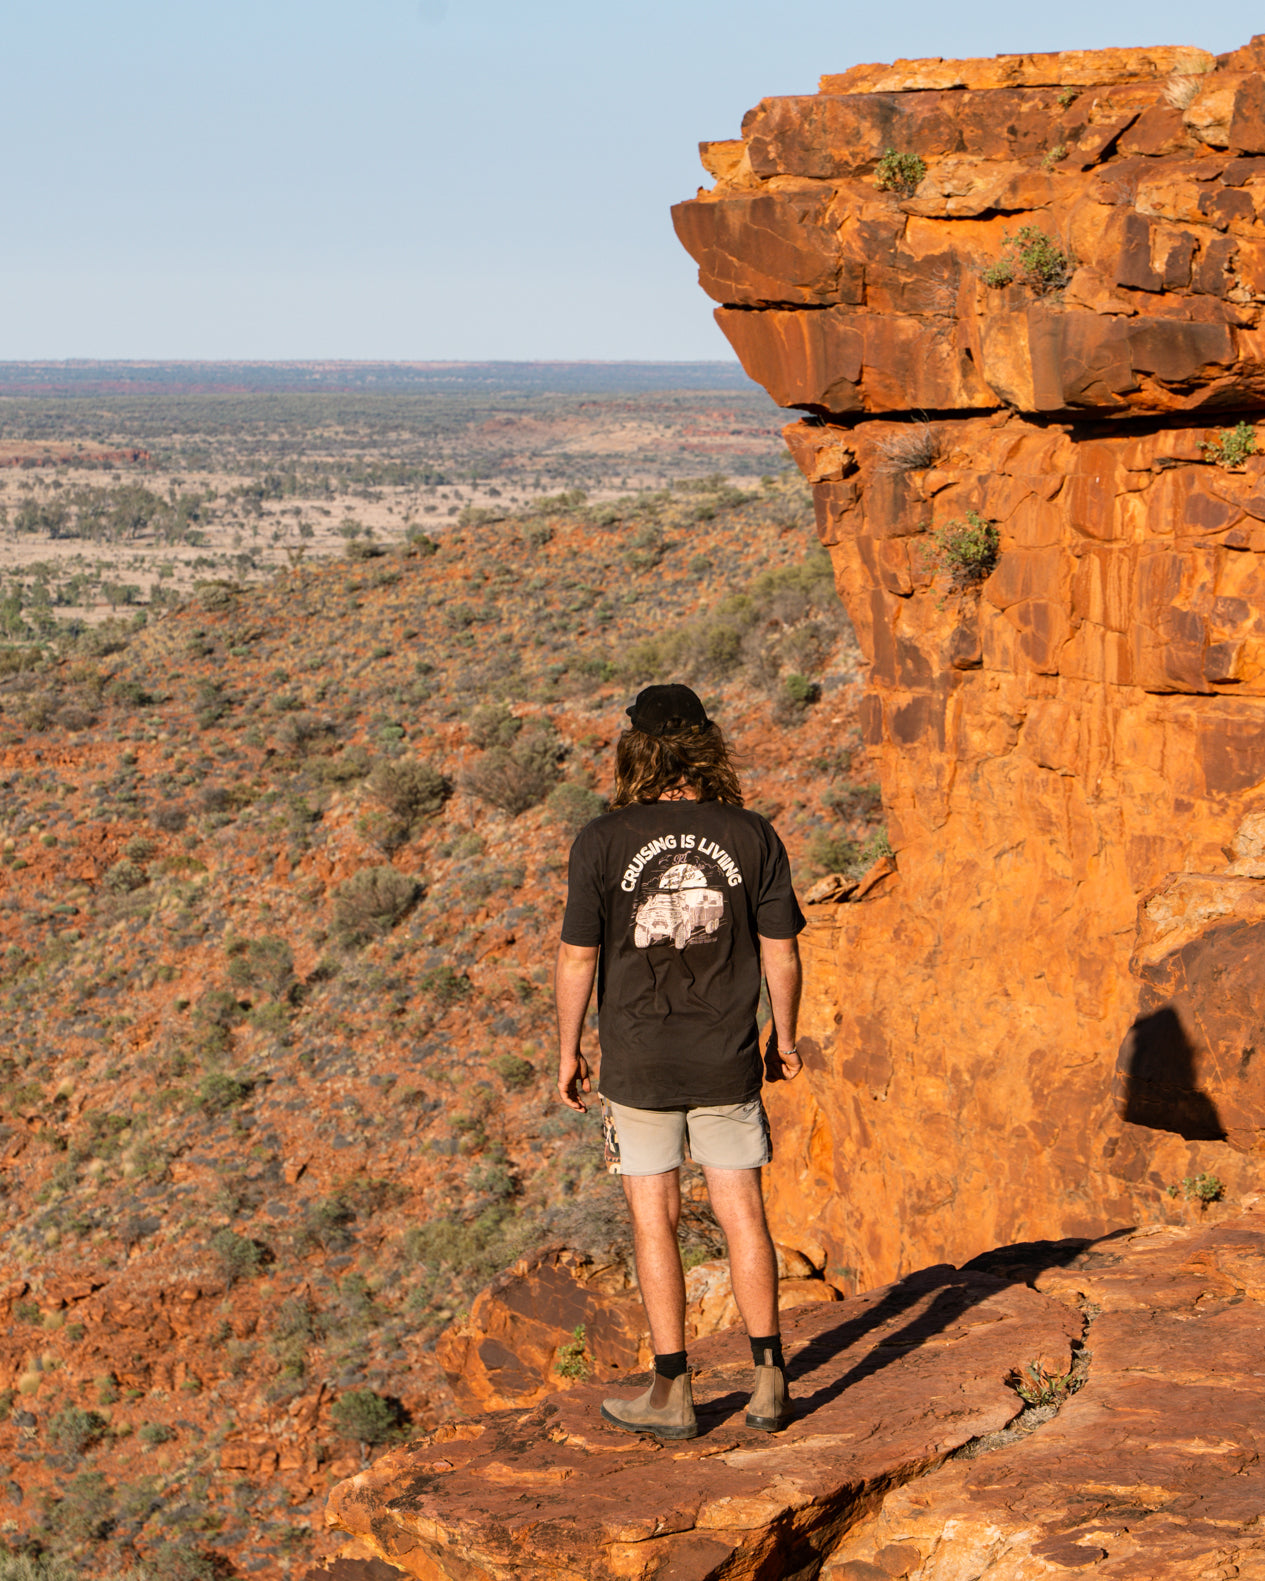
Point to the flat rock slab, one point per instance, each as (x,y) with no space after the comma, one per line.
(886,1385)
(1153,1472)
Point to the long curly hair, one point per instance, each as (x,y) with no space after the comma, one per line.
(647,767)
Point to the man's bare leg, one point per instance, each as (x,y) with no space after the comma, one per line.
(738,1203)
(655,1204)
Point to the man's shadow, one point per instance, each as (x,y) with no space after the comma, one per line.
(955,1293)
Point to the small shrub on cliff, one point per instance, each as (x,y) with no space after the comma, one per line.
(325,1223)
(571,1360)
(365,1416)
(967,550)
(237,1256)
(1231,448)
(371,902)
(1200,1188)
(1031,258)
(73,1430)
(85,1512)
(853,858)
(897,172)
(910,450)
(797,697)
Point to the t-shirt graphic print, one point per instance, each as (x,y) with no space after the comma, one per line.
(682,904)
(676,895)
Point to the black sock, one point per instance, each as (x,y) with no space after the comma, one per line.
(760,1348)
(672,1365)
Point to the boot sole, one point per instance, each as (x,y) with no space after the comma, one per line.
(768,1424)
(655,1430)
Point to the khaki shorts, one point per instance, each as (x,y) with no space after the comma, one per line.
(653,1141)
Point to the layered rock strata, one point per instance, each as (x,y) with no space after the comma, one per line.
(1021,300)
(910,1456)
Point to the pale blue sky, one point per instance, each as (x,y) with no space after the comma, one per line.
(418,178)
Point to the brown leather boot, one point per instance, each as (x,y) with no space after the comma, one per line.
(671,1417)
(769,1408)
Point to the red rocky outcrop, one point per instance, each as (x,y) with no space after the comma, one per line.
(1046,1017)
(910,1457)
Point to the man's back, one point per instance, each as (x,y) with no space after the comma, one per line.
(677,894)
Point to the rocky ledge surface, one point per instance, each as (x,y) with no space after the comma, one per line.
(912,1454)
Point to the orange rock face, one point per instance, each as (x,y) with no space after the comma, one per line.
(1058,233)
(1047,1018)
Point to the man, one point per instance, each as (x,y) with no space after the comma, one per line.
(677,900)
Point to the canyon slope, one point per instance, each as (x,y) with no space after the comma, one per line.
(281,869)
(1019,302)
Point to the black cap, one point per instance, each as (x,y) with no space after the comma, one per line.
(660,710)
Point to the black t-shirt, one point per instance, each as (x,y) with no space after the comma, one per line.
(675,894)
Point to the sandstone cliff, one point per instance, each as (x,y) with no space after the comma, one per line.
(1021,301)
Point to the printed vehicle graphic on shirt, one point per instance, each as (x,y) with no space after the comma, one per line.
(684,909)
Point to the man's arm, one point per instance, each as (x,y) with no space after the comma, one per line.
(572,989)
(780,959)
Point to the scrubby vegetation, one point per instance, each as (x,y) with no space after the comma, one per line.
(274,980)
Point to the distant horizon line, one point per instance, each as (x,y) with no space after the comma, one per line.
(369,362)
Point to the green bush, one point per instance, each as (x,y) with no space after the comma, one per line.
(352,763)
(1031,258)
(897,172)
(513,1071)
(218,1093)
(492,725)
(572,806)
(73,1430)
(365,1417)
(967,550)
(1232,447)
(124,876)
(799,693)
(85,1511)
(266,963)
(325,1223)
(408,791)
(829,853)
(1200,1188)
(155,1433)
(371,902)
(571,1360)
(445,986)
(517,778)
(237,1255)
(412,790)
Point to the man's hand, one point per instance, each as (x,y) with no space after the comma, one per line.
(573,984)
(780,958)
(573,1078)
(779,1066)
(791,1064)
